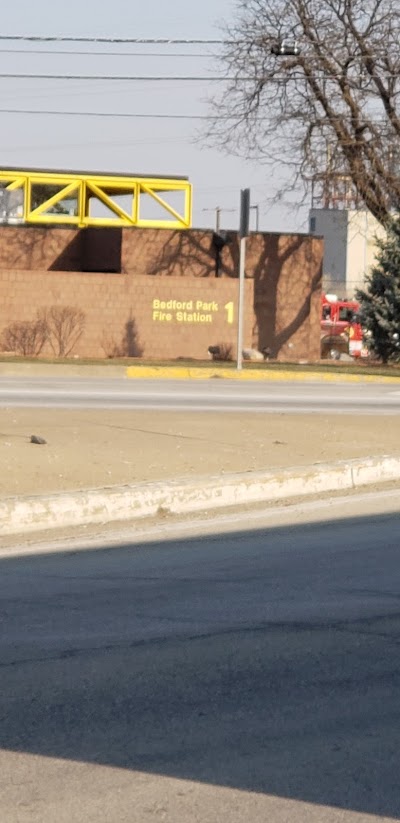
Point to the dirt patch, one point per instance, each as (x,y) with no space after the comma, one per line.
(88,449)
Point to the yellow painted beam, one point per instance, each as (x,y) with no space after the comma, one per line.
(160,201)
(109,203)
(68,189)
(104,188)
(16,184)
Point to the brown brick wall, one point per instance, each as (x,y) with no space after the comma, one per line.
(283,273)
(121,312)
(287,271)
(130,251)
(167,252)
(23,247)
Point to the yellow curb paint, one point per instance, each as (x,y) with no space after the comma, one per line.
(188,373)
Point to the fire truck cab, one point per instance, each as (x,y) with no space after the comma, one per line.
(341,332)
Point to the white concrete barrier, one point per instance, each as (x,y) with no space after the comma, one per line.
(95,506)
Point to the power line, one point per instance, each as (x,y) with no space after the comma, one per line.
(164,41)
(109,114)
(178,78)
(87,53)
(121,77)
(159,115)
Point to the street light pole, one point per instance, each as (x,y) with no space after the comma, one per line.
(242,263)
(243,234)
(256,208)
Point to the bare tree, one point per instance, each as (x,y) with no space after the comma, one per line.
(65,328)
(26,337)
(329,108)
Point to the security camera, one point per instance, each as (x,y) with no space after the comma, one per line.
(284,48)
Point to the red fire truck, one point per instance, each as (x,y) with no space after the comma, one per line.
(341,332)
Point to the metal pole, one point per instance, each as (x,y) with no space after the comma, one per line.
(365,248)
(257,211)
(242,261)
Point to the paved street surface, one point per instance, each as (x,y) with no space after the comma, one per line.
(204,395)
(245,675)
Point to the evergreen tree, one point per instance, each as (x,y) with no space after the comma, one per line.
(380,301)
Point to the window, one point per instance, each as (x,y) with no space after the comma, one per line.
(346,314)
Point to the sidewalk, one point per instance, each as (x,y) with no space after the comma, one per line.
(93,449)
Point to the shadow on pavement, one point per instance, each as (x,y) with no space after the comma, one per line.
(267,661)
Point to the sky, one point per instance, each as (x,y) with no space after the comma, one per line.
(166,145)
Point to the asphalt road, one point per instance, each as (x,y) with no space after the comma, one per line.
(212,395)
(249,675)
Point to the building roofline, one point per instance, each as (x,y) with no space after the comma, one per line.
(89,173)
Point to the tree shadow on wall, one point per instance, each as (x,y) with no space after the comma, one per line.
(128,346)
(187,253)
(62,248)
(279,297)
(38,248)
(267,257)
(130,341)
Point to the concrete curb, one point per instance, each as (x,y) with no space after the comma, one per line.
(94,506)
(189,373)
(39,369)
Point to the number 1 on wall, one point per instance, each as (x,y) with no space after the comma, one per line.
(230,311)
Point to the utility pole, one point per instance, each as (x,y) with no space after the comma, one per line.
(218,211)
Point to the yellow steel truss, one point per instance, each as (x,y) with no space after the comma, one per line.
(42,197)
